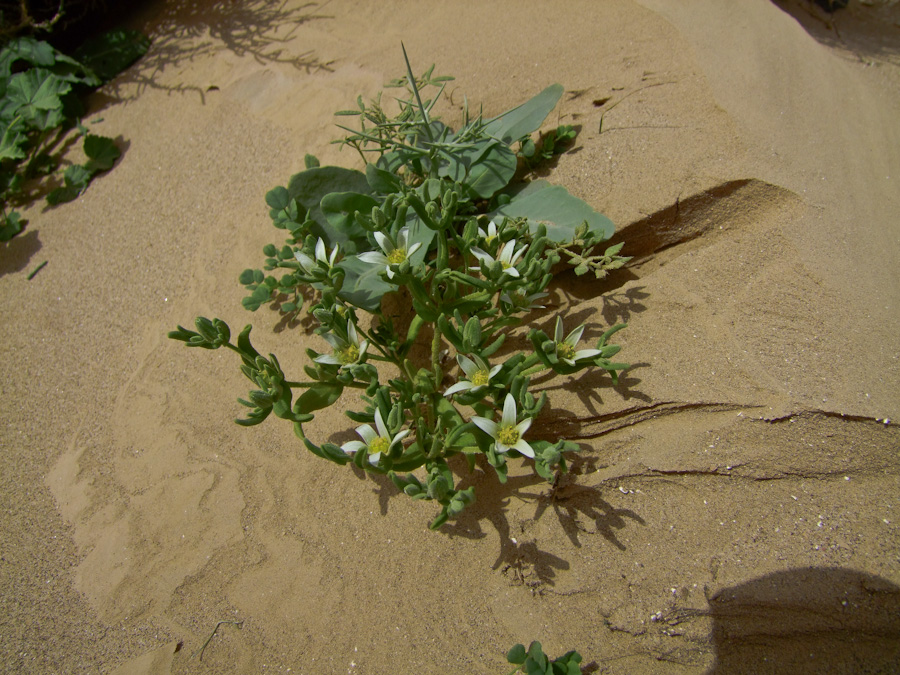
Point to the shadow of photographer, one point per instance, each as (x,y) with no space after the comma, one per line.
(806,620)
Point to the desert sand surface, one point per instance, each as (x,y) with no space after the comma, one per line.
(734,507)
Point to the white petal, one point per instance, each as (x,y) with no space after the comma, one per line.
(374,457)
(494,371)
(462,385)
(320,250)
(334,341)
(380,425)
(402,237)
(467,364)
(507,251)
(327,358)
(523,426)
(523,447)
(587,354)
(511,271)
(384,242)
(353,446)
(373,257)
(509,412)
(305,261)
(575,335)
(558,335)
(517,255)
(367,433)
(487,426)
(482,256)
(399,437)
(351,333)
(412,249)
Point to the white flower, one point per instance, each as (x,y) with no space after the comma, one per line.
(374,443)
(520,301)
(491,233)
(507,257)
(507,435)
(393,255)
(477,371)
(344,353)
(565,349)
(308,264)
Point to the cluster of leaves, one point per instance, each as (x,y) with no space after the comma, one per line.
(535,662)
(554,142)
(435,220)
(41,90)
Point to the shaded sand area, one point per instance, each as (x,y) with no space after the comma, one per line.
(735,504)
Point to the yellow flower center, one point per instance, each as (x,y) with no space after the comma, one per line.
(508,436)
(480,378)
(397,256)
(347,355)
(565,350)
(379,445)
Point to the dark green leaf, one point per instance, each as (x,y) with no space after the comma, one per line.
(36,90)
(310,161)
(111,53)
(10,226)
(101,151)
(516,655)
(278,198)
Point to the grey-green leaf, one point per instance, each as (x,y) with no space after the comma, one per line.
(558,210)
(526,118)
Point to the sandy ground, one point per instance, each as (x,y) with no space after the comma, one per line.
(734,508)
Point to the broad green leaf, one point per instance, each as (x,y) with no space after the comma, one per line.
(101,151)
(35,90)
(526,118)
(338,209)
(382,181)
(278,198)
(111,53)
(11,144)
(10,225)
(312,185)
(318,397)
(76,178)
(35,52)
(363,287)
(559,211)
(484,167)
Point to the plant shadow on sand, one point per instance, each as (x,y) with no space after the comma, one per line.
(571,503)
(185,32)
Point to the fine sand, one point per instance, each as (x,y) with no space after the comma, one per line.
(734,507)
